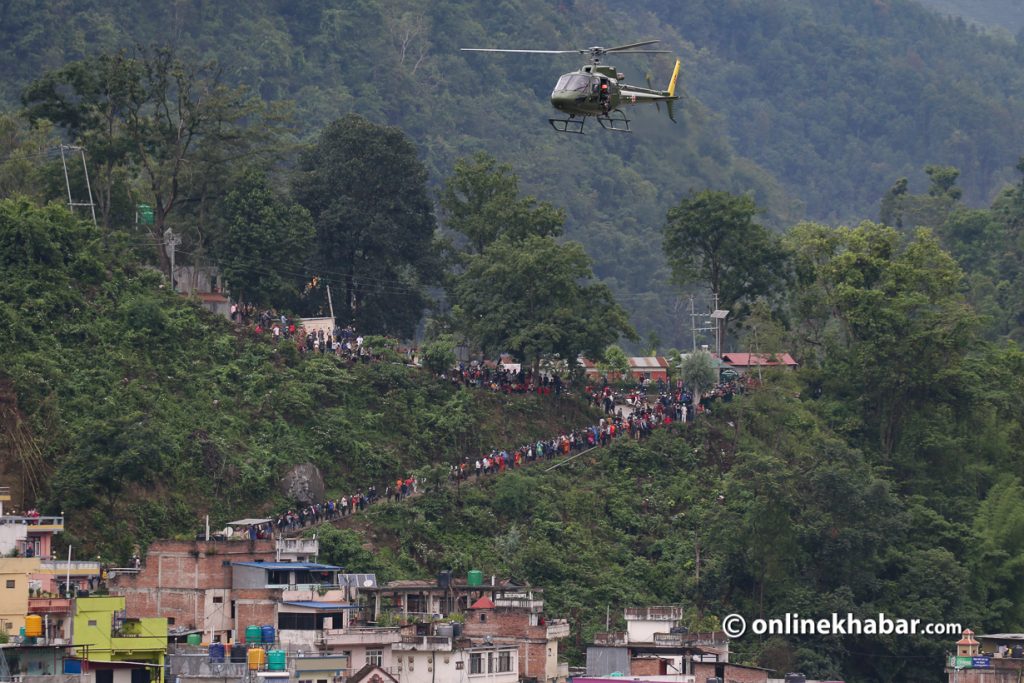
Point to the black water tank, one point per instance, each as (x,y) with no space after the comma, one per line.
(795,678)
(444,579)
(238,652)
(716,679)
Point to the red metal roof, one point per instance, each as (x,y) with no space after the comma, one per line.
(751,359)
(483,603)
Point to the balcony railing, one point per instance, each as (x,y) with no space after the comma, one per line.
(558,629)
(49,521)
(610,638)
(361,636)
(49,605)
(667,613)
(77,567)
(423,643)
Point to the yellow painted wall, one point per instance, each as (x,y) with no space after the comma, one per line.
(14,600)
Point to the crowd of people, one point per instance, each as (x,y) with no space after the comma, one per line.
(504,379)
(639,420)
(631,413)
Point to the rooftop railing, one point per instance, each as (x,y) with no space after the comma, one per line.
(41,520)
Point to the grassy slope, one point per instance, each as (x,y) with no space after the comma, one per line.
(142,412)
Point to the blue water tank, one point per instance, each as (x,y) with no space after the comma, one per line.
(216,652)
(267,633)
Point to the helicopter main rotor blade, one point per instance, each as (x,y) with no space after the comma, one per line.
(620,48)
(643,52)
(530,52)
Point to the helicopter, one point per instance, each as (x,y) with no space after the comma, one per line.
(598,90)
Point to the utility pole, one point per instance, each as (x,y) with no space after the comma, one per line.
(171,242)
(695,326)
(67,180)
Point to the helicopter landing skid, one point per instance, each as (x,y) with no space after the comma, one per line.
(569,125)
(619,124)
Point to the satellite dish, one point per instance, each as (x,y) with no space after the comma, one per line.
(228,532)
(368,583)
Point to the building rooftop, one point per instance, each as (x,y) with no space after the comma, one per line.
(285,566)
(313,604)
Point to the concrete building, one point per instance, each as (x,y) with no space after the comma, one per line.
(189,583)
(654,644)
(516,619)
(15,574)
(34,581)
(991,658)
(115,647)
(433,658)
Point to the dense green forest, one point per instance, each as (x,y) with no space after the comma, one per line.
(992,14)
(815,108)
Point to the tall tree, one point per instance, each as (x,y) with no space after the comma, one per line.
(536,297)
(165,120)
(481,202)
(91,100)
(265,245)
(366,189)
(711,238)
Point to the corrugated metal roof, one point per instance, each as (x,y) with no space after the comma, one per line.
(274,566)
(748,359)
(313,604)
(647,362)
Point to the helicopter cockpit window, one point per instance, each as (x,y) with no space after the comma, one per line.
(563,82)
(578,82)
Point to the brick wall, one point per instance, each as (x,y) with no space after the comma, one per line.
(646,666)
(733,674)
(512,625)
(176,575)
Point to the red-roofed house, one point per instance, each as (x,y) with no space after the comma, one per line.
(640,367)
(483,603)
(743,362)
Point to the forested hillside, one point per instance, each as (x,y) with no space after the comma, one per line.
(814,107)
(351,145)
(1007,15)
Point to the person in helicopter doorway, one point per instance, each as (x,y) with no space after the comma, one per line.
(603,95)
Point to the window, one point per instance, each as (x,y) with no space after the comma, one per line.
(483,617)
(10,583)
(476,663)
(170,621)
(504,661)
(92,622)
(490,662)
(459,666)
(578,82)
(375,657)
(218,599)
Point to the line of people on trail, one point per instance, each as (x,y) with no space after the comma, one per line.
(637,425)
(642,418)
